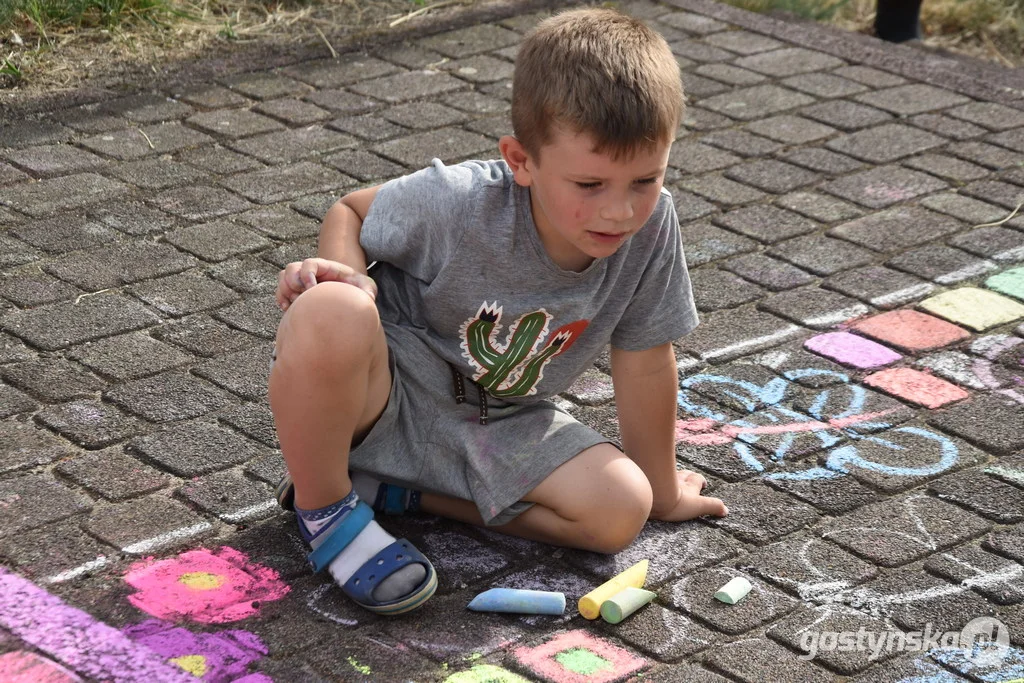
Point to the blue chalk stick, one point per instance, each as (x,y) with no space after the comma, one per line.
(518,601)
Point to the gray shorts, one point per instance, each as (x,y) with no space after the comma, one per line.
(426,441)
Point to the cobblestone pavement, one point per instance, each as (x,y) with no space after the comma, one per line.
(855,392)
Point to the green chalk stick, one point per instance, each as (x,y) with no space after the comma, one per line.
(624,603)
(734,591)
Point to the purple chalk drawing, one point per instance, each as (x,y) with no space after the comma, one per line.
(28,667)
(208,586)
(221,657)
(849,349)
(75,639)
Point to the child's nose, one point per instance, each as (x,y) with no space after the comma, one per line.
(618,211)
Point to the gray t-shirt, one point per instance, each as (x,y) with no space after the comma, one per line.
(463,267)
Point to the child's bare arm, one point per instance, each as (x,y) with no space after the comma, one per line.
(340,257)
(646,383)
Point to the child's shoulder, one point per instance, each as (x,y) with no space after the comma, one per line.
(469,175)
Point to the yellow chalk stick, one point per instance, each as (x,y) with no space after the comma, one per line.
(634,577)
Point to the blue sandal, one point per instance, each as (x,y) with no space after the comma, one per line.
(390,497)
(360,585)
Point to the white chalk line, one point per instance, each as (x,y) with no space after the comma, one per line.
(98,563)
(249,512)
(151,544)
(756,341)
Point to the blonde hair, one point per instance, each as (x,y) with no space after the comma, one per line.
(599,72)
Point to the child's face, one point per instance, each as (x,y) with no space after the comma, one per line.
(585,204)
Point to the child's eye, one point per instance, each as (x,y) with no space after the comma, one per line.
(587,186)
(647,181)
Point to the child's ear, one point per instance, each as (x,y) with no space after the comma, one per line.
(517,158)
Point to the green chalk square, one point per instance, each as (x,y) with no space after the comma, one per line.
(1009,282)
(978,309)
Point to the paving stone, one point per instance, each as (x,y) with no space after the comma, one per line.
(204,336)
(52,379)
(696,24)
(9,174)
(874,78)
(947,127)
(469,41)
(765,223)
(798,365)
(133,218)
(993,577)
(824,85)
(759,515)
(907,100)
(1006,542)
(53,195)
(741,142)
(231,497)
(693,157)
(128,356)
(12,350)
(771,175)
(690,207)
(416,151)
(821,255)
(135,143)
(789,62)
(988,496)
(410,85)
(883,185)
(996,192)
(857,412)
(823,160)
(293,111)
(743,42)
(851,350)
(265,86)
(759,659)
(956,367)
(13,402)
(910,331)
(211,96)
(291,145)
(703,243)
(280,222)
(986,420)
(363,165)
(52,160)
(217,241)
(964,208)
(200,202)
(1009,282)
(914,386)
(112,474)
(697,51)
(985,154)
(833,496)
(147,525)
(663,634)
(819,207)
(941,264)
(727,73)
(480,69)
(286,182)
(846,115)
(767,272)
(117,264)
(250,275)
(721,190)
(68,554)
(63,233)
(90,424)
(990,115)
(219,160)
(694,595)
(168,397)
(811,568)
(255,421)
(32,500)
(755,102)
(145,108)
(914,600)
(770,390)
(156,174)
(980,668)
(30,133)
(423,115)
(183,294)
(369,127)
(27,289)
(345,69)
(267,468)
(715,289)
(27,446)
(234,123)
(885,143)
(344,103)
(244,372)
(946,167)
(996,243)
(494,98)
(259,316)
(726,335)
(696,118)
(978,309)
(879,286)
(791,130)
(794,630)
(188,449)
(715,458)
(55,326)
(901,530)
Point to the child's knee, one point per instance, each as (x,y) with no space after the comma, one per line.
(327,313)
(619,518)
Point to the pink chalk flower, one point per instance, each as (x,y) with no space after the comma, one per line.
(222,657)
(210,587)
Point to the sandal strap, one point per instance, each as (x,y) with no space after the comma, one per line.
(399,554)
(343,534)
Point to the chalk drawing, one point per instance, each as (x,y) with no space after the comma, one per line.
(930,672)
(486,673)
(75,639)
(28,667)
(1007,665)
(220,657)
(316,602)
(210,587)
(782,425)
(579,657)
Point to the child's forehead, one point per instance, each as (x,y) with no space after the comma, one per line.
(572,149)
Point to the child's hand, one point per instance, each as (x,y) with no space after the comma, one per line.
(299,276)
(690,502)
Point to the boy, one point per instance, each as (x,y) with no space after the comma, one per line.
(509,277)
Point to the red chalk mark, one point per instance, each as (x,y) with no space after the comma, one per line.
(728,432)
(541,660)
(916,387)
(910,330)
(211,587)
(28,667)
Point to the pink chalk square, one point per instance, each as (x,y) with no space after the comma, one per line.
(28,667)
(910,330)
(916,386)
(849,349)
(578,657)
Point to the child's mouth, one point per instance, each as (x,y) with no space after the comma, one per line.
(606,237)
